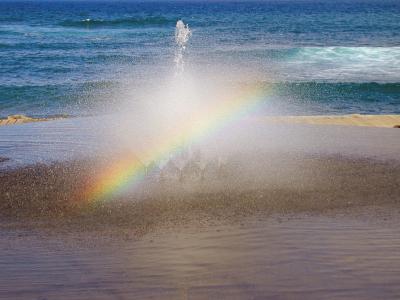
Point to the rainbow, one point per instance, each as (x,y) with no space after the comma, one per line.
(128,170)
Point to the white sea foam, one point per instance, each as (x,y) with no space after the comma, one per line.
(337,64)
(360,64)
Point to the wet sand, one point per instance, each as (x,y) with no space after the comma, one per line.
(285,183)
(342,255)
(311,227)
(312,215)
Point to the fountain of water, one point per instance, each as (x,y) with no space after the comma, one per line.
(182,35)
(187,159)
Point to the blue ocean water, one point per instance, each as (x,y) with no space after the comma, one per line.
(320,56)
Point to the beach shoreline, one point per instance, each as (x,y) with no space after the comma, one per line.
(301,210)
(298,210)
(199,150)
(365,120)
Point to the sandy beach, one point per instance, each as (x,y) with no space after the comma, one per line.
(21,119)
(388,121)
(322,211)
(336,233)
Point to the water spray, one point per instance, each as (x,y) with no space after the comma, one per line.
(182,35)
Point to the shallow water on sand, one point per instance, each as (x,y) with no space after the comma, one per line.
(303,257)
(78,138)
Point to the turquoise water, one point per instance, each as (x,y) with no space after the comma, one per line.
(328,57)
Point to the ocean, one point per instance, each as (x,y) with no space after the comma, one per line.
(319,57)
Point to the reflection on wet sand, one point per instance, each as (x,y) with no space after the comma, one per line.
(303,256)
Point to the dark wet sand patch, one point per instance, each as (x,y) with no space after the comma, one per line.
(50,195)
